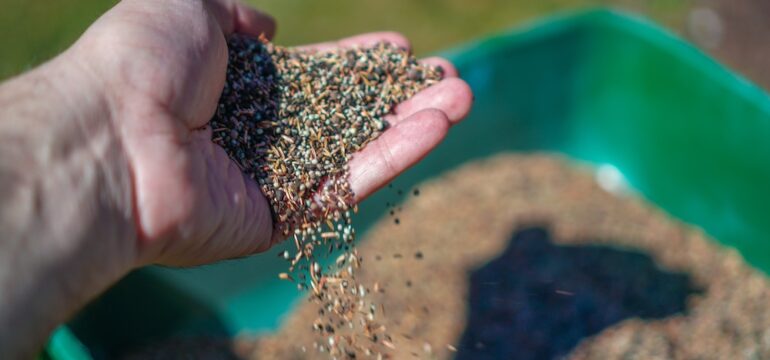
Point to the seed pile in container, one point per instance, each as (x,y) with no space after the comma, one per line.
(291,119)
(606,277)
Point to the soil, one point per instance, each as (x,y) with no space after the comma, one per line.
(526,257)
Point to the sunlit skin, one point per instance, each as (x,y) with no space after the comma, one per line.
(104,168)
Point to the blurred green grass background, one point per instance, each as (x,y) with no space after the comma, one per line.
(32,31)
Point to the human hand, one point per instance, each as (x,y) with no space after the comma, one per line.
(106,164)
(162,65)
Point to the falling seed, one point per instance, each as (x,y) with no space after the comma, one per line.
(416,192)
(330,235)
(397,221)
(291,119)
(418,255)
(451,348)
(340,260)
(389,344)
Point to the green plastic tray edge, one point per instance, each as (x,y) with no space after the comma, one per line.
(63,345)
(632,23)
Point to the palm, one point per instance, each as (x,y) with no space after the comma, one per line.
(194,204)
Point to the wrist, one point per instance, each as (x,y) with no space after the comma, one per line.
(67,217)
(104,158)
(87,127)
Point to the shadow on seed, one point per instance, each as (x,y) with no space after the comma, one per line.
(538,300)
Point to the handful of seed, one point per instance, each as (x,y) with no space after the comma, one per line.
(291,119)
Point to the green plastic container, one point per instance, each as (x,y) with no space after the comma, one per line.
(600,86)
